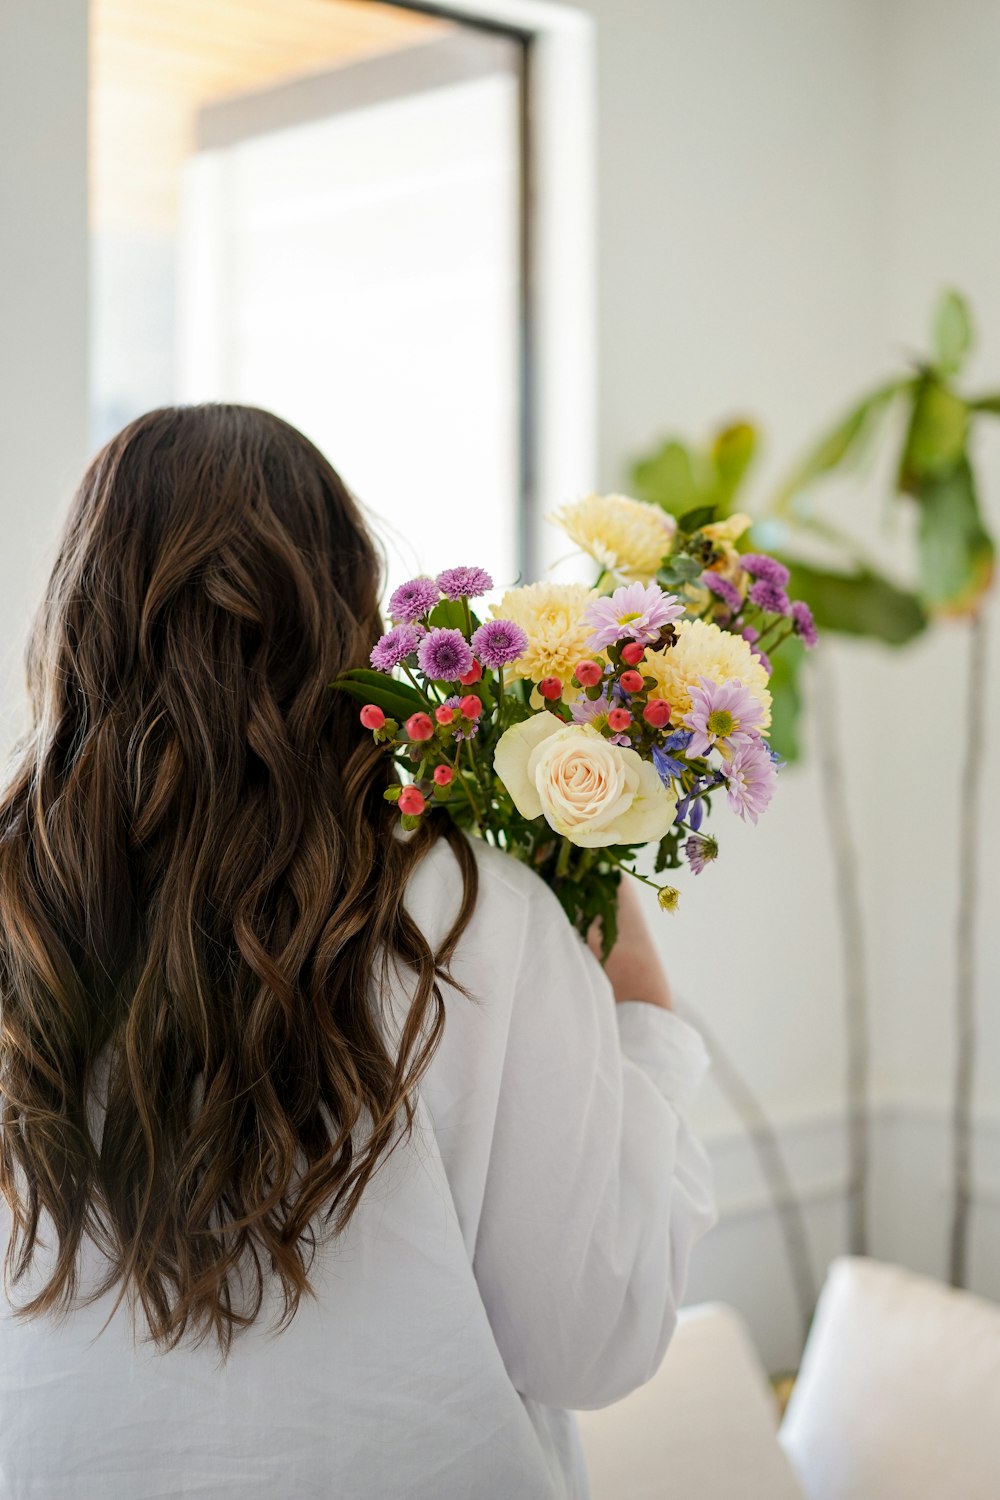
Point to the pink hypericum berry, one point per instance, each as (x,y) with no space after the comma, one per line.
(588,673)
(471,706)
(632,682)
(372,717)
(444,714)
(550,688)
(633,653)
(419,727)
(657,712)
(472,675)
(411,801)
(619,718)
(443,775)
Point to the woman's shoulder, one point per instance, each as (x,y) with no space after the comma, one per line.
(509,892)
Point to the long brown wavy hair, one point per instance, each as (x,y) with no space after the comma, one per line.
(201,892)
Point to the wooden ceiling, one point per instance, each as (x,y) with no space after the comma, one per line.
(155,63)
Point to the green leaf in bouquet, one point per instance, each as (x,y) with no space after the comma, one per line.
(786,699)
(844,442)
(733,450)
(693,520)
(859,602)
(679,569)
(951,332)
(396,698)
(392,793)
(668,478)
(936,436)
(449,614)
(955,551)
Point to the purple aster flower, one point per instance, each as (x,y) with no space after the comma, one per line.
(498,642)
(722,589)
(635,612)
(805,625)
(395,646)
(444,655)
(750,779)
(770,597)
(750,634)
(700,849)
(722,715)
(464,583)
(469,729)
(413,599)
(768,569)
(765,661)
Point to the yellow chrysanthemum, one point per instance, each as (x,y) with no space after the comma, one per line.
(626,537)
(703,650)
(551,615)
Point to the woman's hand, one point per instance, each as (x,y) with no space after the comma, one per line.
(634,966)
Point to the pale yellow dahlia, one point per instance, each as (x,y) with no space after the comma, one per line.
(703,650)
(551,615)
(626,537)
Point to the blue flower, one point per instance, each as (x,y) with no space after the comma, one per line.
(666,766)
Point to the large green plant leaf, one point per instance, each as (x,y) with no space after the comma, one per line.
(733,450)
(397,699)
(861,602)
(955,551)
(668,478)
(786,699)
(936,436)
(844,443)
(951,333)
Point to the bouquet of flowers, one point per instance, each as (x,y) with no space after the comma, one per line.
(575,725)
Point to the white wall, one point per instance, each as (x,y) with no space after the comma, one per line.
(784,186)
(43,303)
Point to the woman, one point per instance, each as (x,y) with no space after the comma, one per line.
(327,1169)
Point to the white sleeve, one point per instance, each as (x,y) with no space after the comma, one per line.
(595,1189)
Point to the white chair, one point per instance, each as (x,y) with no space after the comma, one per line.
(702,1429)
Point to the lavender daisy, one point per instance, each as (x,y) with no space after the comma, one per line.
(770,597)
(805,625)
(498,642)
(595,711)
(722,715)
(395,646)
(637,612)
(722,589)
(768,569)
(699,850)
(750,779)
(413,599)
(464,583)
(444,655)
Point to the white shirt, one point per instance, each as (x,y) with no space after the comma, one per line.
(522,1256)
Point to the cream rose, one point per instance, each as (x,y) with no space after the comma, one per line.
(590,791)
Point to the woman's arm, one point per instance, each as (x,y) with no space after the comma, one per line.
(595,1189)
(634,968)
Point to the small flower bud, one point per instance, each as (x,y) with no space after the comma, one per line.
(443,775)
(411,801)
(550,688)
(372,717)
(632,682)
(657,712)
(419,727)
(668,897)
(619,719)
(444,714)
(588,673)
(633,653)
(474,673)
(471,706)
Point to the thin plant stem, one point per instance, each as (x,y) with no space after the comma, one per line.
(965,957)
(853,948)
(773,1167)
